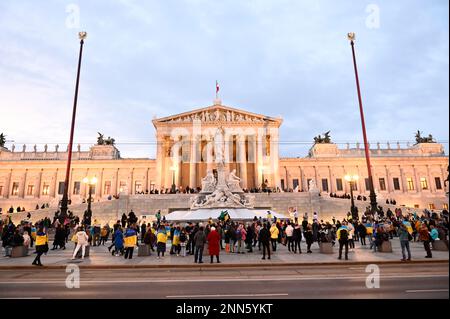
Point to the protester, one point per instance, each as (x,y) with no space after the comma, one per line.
(213,244)
(41,245)
(82,241)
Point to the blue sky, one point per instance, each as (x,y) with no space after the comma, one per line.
(280,58)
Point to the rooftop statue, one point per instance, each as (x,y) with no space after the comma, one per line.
(102,141)
(420,139)
(323,140)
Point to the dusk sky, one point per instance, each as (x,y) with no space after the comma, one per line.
(146,59)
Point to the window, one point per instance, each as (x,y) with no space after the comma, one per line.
(324,185)
(61,188)
(410,183)
(431,206)
(92,189)
(339,186)
(416,205)
(123,186)
(308,181)
(367,184)
(382,184)
(445,206)
(396,183)
(282,184)
(30,190)
(437,180)
(76,188)
(15,189)
(138,186)
(354,186)
(423,183)
(45,189)
(295,183)
(107,189)
(1,190)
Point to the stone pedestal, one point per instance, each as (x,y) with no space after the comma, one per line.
(326,248)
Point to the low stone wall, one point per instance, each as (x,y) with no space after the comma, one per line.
(110,211)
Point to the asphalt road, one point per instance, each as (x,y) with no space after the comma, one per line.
(396,281)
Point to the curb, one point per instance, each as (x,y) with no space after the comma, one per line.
(222,266)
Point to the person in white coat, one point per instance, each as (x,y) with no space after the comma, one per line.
(26,239)
(82,241)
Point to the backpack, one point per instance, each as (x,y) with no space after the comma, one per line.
(343,234)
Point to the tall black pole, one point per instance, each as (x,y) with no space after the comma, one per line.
(373,196)
(89,199)
(65,198)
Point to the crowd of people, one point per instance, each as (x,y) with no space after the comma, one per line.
(263,235)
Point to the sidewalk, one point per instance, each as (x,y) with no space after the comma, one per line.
(101,258)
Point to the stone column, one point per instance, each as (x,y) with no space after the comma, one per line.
(388,180)
(403,180)
(100,183)
(115,189)
(160,158)
(54,193)
(301,185)
(431,188)
(8,185)
(37,192)
(242,159)
(23,185)
(417,181)
(259,160)
(147,182)
(274,158)
(131,189)
(331,186)
(193,163)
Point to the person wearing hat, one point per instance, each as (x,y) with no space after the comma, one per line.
(213,244)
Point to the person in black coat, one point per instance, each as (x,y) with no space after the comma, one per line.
(297,238)
(249,239)
(264,239)
(309,238)
(60,238)
(124,220)
(17,239)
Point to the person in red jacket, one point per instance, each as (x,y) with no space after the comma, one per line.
(213,244)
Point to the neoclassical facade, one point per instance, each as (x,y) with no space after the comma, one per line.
(190,144)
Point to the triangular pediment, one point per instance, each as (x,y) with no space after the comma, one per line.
(218,114)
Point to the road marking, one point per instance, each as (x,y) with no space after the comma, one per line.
(151,280)
(237,295)
(427,290)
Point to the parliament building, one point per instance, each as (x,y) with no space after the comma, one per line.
(188,146)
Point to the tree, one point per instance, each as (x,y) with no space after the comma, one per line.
(2,140)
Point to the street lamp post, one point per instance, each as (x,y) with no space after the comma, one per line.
(174,187)
(90,182)
(373,196)
(352,179)
(65,198)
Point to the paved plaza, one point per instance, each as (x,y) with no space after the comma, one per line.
(100,257)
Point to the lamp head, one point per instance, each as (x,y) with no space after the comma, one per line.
(82,35)
(85,180)
(351,36)
(94,180)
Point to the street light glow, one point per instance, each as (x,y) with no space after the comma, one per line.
(82,35)
(351,36)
